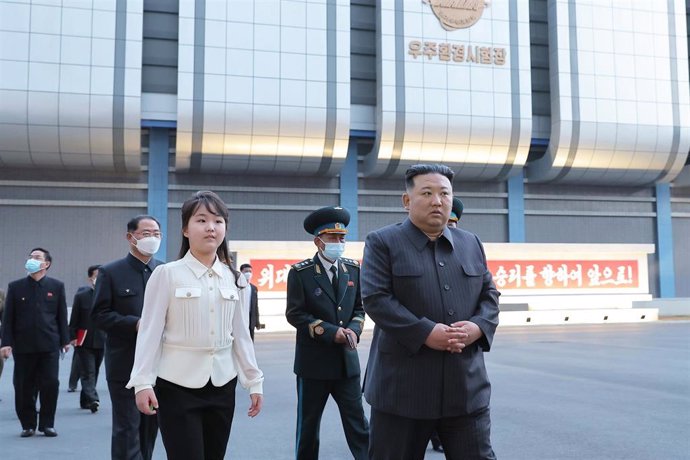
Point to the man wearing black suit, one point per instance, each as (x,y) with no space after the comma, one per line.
(254,323)
(35,331)
(325,306)
(89,353)
(118,301)
(435,307)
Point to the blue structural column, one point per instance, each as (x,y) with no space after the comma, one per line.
(348,190)
(159,146)
(516,209)
(664,241)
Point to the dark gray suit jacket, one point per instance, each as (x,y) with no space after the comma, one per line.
(408,285)
(117,304)
(81,319)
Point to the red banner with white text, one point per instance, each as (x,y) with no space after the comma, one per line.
(565,274)
(270,275)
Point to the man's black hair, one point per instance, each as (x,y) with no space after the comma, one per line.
(422,169)
(133,225)
(92,269)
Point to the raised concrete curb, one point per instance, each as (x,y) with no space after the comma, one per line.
(679,306)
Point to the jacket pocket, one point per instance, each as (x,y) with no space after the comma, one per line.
(229,294)
(187,292)
(126,292)
(473,270)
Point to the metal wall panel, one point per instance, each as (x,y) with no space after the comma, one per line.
(159,47)
(455,94)
(70,85)
(363,55)
(75,236)
(619,90)
(263,86)
(681,248)
(564,228)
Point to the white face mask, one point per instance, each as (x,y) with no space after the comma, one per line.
(248,275)
(333,251)
(33,266)
(149,245)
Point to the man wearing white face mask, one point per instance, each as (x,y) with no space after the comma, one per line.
(118,301)
(324,304)
(34,332)
(253,300)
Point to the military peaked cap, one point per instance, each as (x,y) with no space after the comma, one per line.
(331,219)
(456,212)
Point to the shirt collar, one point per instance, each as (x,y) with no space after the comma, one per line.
(419,239)
(138,264)
(326,263)
(200,269)
(39,282)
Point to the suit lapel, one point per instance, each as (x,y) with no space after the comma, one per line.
(322,280)
(343,278)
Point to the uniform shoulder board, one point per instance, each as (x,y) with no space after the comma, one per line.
(304,264)
(352,262)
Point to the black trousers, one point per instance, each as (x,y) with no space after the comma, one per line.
(134,434)
(195,422)
(74,372)
(90,360)
(400,438)
(312,395)
(36,373)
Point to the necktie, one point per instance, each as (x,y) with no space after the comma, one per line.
(334,279)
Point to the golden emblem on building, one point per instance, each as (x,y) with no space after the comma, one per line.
(457,14)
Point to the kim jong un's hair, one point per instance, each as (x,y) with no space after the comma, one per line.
(422,169)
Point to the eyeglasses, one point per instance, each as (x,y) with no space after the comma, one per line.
(147,234)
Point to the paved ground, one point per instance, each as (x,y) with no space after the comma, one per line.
(617,391)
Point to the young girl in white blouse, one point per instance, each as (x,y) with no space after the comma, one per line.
(193,343)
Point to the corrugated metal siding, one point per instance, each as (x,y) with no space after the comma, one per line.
(75,236)
(566,228)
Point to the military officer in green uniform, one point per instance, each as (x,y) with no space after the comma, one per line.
(455,212)
(324,304)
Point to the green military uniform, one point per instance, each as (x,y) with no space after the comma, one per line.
(314,311)
(324,367)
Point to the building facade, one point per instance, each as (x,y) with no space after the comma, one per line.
(566,121)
